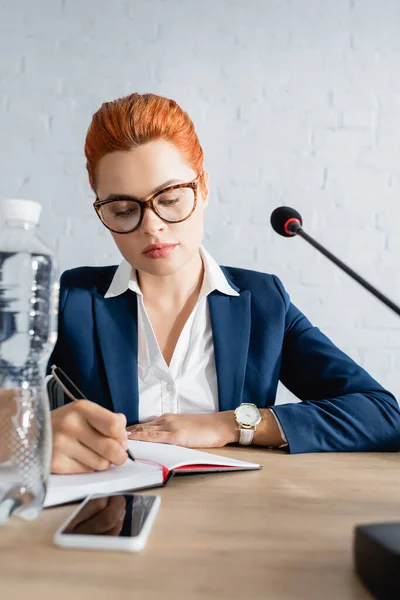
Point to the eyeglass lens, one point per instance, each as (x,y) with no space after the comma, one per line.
(172,205)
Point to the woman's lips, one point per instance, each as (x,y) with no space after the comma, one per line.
(159,250)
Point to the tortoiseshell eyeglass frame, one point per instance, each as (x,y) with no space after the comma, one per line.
(143,204)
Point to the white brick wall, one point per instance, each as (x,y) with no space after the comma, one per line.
(296,102)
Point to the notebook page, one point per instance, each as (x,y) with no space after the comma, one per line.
(130,475)
(173,457)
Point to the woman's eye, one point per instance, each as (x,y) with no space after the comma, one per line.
(168,202)
(123,213)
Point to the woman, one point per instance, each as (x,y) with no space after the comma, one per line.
(169,344)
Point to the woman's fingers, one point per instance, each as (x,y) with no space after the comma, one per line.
(66,449)
(154,431)
(79,445)
(62,463)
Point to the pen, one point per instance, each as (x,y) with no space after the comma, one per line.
(130,455)
(79,393)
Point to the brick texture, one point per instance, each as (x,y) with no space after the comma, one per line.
(295,102)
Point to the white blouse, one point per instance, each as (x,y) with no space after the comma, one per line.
(189,383)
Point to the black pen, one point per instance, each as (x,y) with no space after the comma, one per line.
(79,393)
(129,453)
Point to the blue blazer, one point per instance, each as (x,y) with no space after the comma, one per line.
(259,339)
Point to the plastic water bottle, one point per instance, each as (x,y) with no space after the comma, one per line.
(28,325)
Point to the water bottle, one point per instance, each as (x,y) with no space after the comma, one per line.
(28,325)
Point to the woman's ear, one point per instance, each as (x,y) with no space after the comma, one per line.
(205,191)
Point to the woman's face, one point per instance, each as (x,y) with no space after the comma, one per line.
(139,173)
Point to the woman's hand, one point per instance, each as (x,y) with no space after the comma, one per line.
(211,430)
(9,419)
(86,438)
(190,430)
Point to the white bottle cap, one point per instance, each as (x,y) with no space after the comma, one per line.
(20,210)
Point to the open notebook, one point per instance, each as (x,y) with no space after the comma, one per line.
(154,465)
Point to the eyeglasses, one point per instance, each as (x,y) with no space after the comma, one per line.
(173,204)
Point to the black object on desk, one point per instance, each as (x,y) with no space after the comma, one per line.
(377,558)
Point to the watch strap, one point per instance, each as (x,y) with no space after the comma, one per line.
(246,437)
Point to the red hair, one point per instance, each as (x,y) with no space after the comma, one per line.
(128,122)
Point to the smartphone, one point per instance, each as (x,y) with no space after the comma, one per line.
(110,522)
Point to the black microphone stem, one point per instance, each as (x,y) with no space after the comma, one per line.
(376,547)
(341,265)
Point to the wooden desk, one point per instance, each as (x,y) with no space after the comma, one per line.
(282,533)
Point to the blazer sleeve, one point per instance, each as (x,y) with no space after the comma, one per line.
(342,407)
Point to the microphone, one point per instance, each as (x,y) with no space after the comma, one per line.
(376,547)
(288,222)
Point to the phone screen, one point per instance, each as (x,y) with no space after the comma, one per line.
(116,515)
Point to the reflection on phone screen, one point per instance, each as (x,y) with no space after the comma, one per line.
(117,515)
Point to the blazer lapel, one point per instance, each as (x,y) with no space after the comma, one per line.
(230,322)
(116,325)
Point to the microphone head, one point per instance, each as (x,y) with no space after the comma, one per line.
(286,221)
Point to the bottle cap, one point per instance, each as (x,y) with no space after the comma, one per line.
(20,210)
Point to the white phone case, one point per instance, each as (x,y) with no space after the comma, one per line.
(104,542)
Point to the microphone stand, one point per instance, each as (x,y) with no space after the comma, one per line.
(296,228)
(376,546)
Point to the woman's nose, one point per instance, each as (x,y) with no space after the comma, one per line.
(151,222)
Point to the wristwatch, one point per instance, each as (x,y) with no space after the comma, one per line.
(247,417)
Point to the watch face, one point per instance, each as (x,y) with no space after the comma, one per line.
(248,414)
